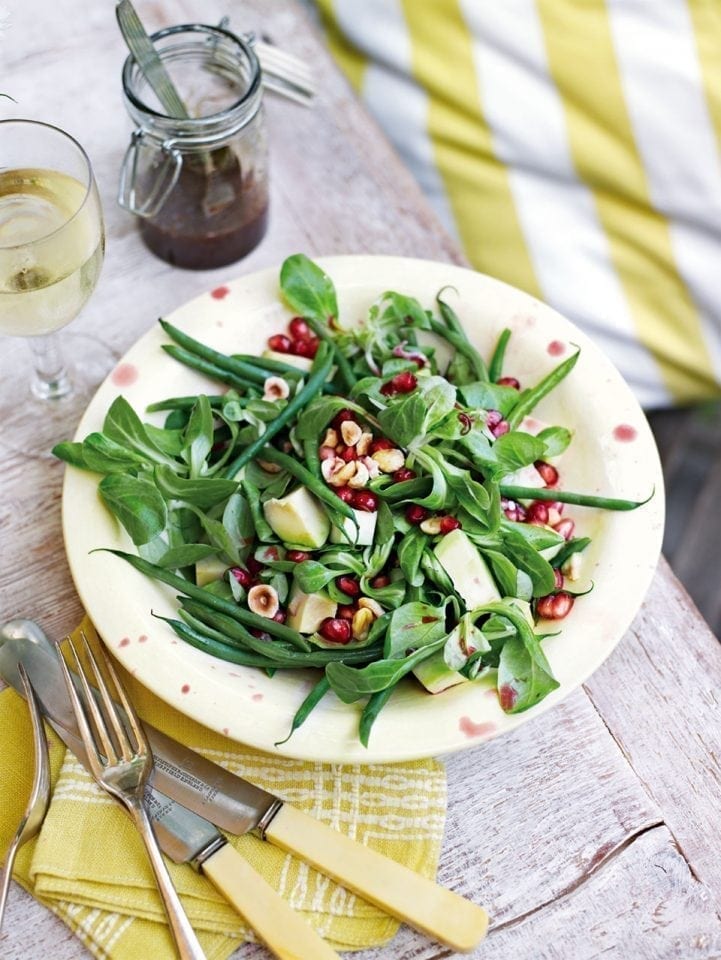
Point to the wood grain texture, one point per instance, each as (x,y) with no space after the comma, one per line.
(593,829)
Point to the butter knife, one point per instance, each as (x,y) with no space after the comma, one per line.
(238,806)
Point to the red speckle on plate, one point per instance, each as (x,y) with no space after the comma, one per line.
(142,638)
(556,348)
(185,688)
(471,729)
(507,696)
(226,731)
(257,697)
(124,374)
(219,293)
(124,642)
(625,433)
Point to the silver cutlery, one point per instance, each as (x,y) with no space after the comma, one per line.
(39,798)
(238,806)
(120,759)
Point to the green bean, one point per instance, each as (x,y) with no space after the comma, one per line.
(344,368)
(207,368)
(449,314)
(239,368)
(529,398)
(373,707)
(183,403)
(463,346)
(279,653)
(318,691)
(406,490)
(566,496)
(495,367)
(312,458)
(229,607)
(269,364)
(308,479)
(215,648)
(318,374)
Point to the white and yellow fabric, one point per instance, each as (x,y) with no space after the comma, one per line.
(573,147)
(88,864)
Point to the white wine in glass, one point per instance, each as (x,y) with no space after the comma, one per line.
(51,243)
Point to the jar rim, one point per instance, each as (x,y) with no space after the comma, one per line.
(213,118)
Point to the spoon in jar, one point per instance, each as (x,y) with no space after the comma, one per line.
(39,800)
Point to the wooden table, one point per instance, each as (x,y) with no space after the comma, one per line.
(594,829)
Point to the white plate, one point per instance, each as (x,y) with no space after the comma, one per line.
(612,453)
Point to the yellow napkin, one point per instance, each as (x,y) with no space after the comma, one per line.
(89,866)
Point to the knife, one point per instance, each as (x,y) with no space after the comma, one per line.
(187,837)
(239,806)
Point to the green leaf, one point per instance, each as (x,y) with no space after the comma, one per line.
(312,576)
(350,684)
(198,437)
(318,414)
(556,440)
(123,425)
(575,545)
(401,310)
(403,420)
(439,397)
(530,562)
(178,557)
(412,626)
(137,505)
(515,450)
(169,441)
(307,289)
(71,453)
(218,535)
(203,493)
(482,395)
(410,551)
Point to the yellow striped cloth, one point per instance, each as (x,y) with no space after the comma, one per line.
(89,867)
(573,147)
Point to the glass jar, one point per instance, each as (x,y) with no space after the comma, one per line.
(199,185)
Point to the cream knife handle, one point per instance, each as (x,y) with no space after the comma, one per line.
(284,932)
(423,904)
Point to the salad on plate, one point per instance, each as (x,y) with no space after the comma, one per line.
(374,501)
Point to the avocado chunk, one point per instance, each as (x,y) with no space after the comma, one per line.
(306,611)
(209,569)
(467,569)
(435,674)
(298,518)
(365,532)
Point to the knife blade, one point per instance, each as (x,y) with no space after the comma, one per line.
(238,806)
(187,837)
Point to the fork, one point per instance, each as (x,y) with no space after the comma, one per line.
(120,760)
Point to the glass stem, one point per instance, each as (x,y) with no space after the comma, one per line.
(50,380)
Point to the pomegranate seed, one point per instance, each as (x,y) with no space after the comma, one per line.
(537,513)
(299,329)
(280,343)
(416,514)
(509,382)
(260,634)
(341,417)
(345,612)
(335,629)
(345,494)
(242,576)
(326,453)
(548,472)
(565,527)
(381,444)
(555,606)
(403,474)
(254,566)
(449,523)
(305,348)
(493,418)
(380,581)
(349,586)
(348,454)
(500,428)
(279,616)
(466,422)
(364,500)
(297,556)
(402,383)
(558,577)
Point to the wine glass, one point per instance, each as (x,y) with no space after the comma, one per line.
(51,250)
